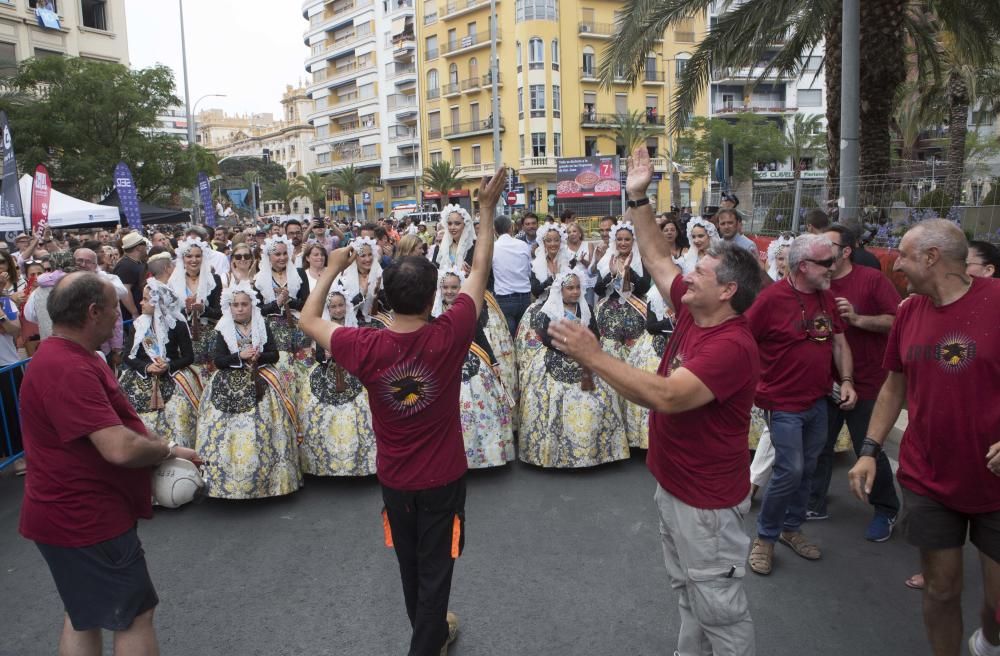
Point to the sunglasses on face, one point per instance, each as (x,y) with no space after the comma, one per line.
(243,256)
(826,264)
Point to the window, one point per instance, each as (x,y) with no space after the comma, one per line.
(454,117)
(651,145)
(42,52)
(522,145)
(517,46)
(471,31)
(430,11)
(93,14)
(810,97)
(452,39)
(322,131)
(556,100)
(536,95)
(651,68)
(525,10)
(979,118)
(590,146)
(621,103)
(680,65)
(520,102)
(588,61)
(456,157)
(684,31)
(812,64)
(477,157)
(473,69)
(8,59)
(538,144)
(536,54)
(474,113)
(431,47)
(590,105)
(435,157)
(401,190)
(432,79)
(555,54)
(453,74)
(557,144)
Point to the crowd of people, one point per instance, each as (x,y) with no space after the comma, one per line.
(277,351)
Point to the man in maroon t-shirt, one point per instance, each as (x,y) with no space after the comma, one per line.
(89,481)
(413,373)
(700,400)
(800,335)
(866,302)
(943,359)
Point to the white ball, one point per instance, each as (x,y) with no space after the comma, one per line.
(176,482)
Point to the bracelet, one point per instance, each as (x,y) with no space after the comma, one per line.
(171,445)
(870,447)
(638,203)
(847,379)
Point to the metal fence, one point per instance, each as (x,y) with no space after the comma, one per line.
(10,413)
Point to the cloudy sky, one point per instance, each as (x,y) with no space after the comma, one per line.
(246,49)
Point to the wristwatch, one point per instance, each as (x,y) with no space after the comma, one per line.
(638,203)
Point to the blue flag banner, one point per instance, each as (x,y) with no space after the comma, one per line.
(11,212)
(205,191)
(127,196)
(239,198)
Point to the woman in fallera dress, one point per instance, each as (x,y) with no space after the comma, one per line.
(363,282)
(283,291)
(485,407)
(646,355)
(157,377)
(337,435)
(199,289)
(247,423)
(571,418)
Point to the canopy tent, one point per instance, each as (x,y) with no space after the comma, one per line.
(151,215)
(64,211)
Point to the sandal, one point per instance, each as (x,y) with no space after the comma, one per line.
(915,582)
(761,556)
(800,545)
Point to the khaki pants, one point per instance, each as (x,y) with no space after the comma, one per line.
(705,552)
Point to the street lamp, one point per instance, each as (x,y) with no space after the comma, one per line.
(192,112)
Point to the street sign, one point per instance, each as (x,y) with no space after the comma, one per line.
(366,197)
(511,198)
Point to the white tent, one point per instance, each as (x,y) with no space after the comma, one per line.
(64,211)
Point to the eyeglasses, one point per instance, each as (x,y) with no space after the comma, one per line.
(826,264)
(837,245)
(243,256)
(971,262)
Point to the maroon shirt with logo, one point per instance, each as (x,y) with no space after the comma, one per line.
(701,456)
(951,358)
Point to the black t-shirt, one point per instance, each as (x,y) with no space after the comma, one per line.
(864,258)
(131,273)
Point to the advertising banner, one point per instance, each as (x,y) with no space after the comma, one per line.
(588,177)
(205,191)
(41,193)
(11,212)
(127,196)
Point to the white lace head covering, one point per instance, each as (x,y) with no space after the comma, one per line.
(655,303)
(691,258)
(553,306)
(351,318)
(604,266)
(206,281)
(465,242)
(438,308)
(772,254)
(226,325)
(166,313)
(539,265)
(350,279)
(264,280)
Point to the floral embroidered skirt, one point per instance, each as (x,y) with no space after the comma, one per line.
(248,444)
(178,420)
(502,344)
(527,343)
(645,355)
(486,416)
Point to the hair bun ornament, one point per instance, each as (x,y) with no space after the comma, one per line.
(271,244)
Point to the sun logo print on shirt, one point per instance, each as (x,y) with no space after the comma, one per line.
(676,363)
(955,352)
(408,387)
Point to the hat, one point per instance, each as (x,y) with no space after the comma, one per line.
(132,240)
(421,225)
(263,230)
(164,255)
(20,237)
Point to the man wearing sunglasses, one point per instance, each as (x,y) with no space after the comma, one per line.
(866,301)
(799,335)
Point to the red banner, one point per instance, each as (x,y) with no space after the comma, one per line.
(41,190)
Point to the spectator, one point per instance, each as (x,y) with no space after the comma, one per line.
(131,269)
(983,260)
(730,224)
(529,229)
(512,273)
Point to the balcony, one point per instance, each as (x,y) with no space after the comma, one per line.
(476,171)
(396,70)
(352,100)
(653,77)
(402,135)
(478,83)
(365,155)
(330,48)
(461,7)
(348,130)
(590,74)
(467,43)
(403,164)
(756,106)
(339,13)
(596,30)
(403,43)
(544,165)
(461,130)
(402,104)
(595,120)
(449,90)
(684,36)
(399,7)
(743,74)
(434,94)
(348,72)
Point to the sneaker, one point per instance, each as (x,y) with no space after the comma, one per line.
(880,528)
(452,619)
(979,647)
(813,515)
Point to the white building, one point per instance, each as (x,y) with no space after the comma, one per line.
(173,123)
(364,82)
(91,29)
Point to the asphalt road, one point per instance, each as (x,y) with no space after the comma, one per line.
(556,562)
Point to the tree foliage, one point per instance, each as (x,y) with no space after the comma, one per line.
(313,187)
(632,130)
(86,116)
(754,139)
(350,181)
(284,190)
(442,177)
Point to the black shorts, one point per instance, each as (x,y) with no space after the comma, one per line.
(105,585)
(928,524)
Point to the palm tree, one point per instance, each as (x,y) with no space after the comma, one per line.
(633,130)
(442,177)
(313,186)
(286,191)
(804,139)
(350,181)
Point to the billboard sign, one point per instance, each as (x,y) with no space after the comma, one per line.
(588,177)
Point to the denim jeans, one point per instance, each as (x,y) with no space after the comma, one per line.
(883,496)
(514,307)
(798,439)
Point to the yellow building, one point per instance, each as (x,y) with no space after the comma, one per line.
(551,102)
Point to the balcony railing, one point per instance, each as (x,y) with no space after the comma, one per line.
(538,164)
(399,6)
(434,94)
(466,42)
(684,37)
(599,120)
(596,29)
(653,76)
(456,7)
(365,153)
(590,74)
(399,133)
(473,127)
(396,70)
(434,133)
(401,101)
(342,42)
(350,98)
(402,163)
(450,89)
(756,106)
(351,70)
(431,54)
(347,7)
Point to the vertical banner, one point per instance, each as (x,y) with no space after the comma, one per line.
(41,192)
(127,197)
(11,212)
(205,191)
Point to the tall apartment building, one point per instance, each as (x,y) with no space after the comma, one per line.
(364,81)
(92,29)
(551,101)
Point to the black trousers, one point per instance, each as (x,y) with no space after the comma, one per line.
(428,533)
(10,430)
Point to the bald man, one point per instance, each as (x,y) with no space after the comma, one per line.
(87,260)
(943,360)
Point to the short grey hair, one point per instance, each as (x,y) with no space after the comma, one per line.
(739,266)
(944,235)
(502,224)
(803,247)
(198,230)
(159,266)
(72,297)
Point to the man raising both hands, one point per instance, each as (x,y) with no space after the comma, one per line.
(412,372)
(700,399)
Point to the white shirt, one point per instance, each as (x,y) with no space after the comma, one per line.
(511,266)
(744,242)
(8,349)
(218,261)
(587,279)
(120,289)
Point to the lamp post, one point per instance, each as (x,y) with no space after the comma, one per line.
(192,112)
